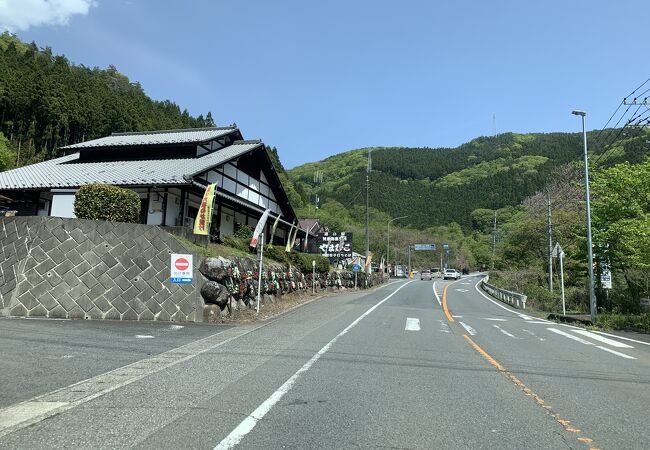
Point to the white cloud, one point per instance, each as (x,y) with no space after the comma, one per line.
(19,15)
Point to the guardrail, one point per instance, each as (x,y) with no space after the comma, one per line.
(512,298)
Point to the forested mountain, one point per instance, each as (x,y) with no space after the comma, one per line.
(436,187)
(47,102)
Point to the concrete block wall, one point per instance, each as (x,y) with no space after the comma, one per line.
(74,268)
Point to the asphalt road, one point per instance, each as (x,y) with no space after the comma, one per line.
(391,368)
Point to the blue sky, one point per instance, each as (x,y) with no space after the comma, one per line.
(318,78)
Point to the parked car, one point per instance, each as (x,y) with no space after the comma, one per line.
(436,272)
(451,274)
(425,274)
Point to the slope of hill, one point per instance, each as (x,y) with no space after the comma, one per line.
(47,102)
(436,187)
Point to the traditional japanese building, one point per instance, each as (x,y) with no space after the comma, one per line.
(169,170)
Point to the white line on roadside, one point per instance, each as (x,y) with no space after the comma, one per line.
(249,422)
(504,331)
(412,324)
(469,329)
(436,293)
(495,319)
(457,317)
(144,336)
(533,334)
(614,352)
(603,339)
(545,322)
(176,327)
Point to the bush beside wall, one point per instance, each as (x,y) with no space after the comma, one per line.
(106,202)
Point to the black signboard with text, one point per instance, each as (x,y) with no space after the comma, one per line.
(333,245)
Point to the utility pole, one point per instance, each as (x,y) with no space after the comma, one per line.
(409,253)
(590,255)
(494,237)
(550,242)
(367,201)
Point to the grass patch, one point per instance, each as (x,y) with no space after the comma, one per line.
(631,322)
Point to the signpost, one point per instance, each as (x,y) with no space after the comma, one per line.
(181,268)
(259,281)
(313,276)
(558,253)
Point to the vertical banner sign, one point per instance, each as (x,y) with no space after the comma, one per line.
(181,268)
(204,217)
(275,226)
(288,247)
(259,228)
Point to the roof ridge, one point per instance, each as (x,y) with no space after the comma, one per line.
(247,141)
(177,130)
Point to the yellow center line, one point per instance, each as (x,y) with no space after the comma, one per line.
(566,424)
(444,304)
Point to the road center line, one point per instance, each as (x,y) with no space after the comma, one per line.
(566,424)
(412,324)
(444,304)
(247,425)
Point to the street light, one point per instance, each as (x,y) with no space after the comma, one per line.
(388,242)
(592,294)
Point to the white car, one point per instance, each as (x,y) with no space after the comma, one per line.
(451,274)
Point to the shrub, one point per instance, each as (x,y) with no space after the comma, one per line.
(106,202)
(303,262)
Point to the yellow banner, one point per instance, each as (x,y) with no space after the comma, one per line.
(204,217)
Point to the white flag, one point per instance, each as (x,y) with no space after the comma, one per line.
(259,228)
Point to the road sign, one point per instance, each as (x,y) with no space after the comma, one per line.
(181,268)
(556,250)
(606,279)
(425,247)
(356,267)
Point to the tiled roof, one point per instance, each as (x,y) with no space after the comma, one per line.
(64,172)
(188,136)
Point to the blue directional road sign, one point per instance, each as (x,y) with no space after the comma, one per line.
(425,247)
(356,267)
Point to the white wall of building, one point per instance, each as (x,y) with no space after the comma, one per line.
(173,207)
(63,205)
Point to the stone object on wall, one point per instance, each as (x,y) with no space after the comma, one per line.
(74,268)
(215,269)
(215,293)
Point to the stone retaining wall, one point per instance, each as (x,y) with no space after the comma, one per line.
(73,268)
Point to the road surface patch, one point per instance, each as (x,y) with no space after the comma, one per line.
(412,324)
(566,424)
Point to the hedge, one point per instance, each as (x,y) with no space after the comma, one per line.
(106,202)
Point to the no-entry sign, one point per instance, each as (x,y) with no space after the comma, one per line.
(181,268)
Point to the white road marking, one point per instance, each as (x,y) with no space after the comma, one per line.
(144,336)
(249,422)
(176,327)
(533,334)
(603,339)
(457,317)
(495,319)
(570,336)
(436,294)
(462,290)
(412,324)
(622,337)
(444,328)
(525,317)
(545,322)
(614,352)
(14,415)
(469,329)
(504,331)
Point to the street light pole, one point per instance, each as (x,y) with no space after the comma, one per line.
(388,242)
(592,294)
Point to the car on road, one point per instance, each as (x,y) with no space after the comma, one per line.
(451,274)
(425,274)
(436,272)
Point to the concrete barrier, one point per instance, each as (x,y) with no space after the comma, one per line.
(512,298)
